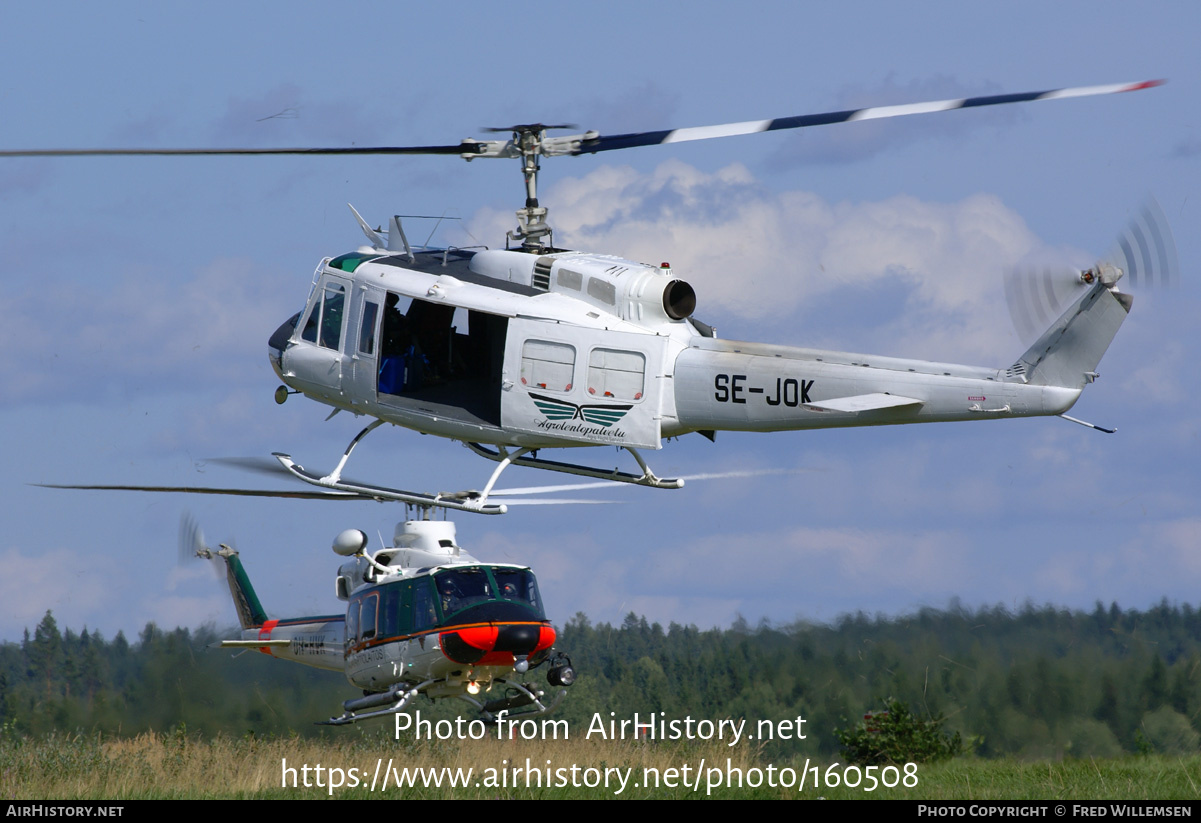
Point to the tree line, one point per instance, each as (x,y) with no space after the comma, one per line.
(1035,682)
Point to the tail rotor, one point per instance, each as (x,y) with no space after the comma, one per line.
(1144,253)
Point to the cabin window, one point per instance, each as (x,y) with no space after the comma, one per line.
(367,328)
(324,324)
(616,375)
(569,279)
(370,607)
(517,585)
(392,620)
(425,615)
(352,622)
(547,366)
(602,290)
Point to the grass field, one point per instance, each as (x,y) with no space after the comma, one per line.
(176,766)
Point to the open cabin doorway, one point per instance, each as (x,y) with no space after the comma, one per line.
(443,358)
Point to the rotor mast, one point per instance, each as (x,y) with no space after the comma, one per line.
(529,143)
(531,220)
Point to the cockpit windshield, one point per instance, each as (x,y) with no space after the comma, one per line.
(462,588)
(517,585)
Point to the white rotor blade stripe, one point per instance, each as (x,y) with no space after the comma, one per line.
(881,112)
(707,132)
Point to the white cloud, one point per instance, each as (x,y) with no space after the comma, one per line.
(769,257)
(1162,559)
(708,581)
(59,580)
(147,326)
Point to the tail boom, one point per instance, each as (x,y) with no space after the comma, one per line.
(738,386)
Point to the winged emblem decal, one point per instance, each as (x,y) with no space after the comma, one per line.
(598,414)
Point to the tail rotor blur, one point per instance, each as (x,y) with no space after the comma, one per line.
(1144,253)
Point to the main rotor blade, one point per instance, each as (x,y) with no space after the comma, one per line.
(654,138)
(592,143)
(299,495)
(461,148)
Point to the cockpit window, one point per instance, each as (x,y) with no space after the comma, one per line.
(517,585)
(331,315)
(460,588)
(324,323)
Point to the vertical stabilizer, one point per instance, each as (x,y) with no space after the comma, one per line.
(246,602)
(1067,354)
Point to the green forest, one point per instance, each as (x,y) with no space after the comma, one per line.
(1035,683)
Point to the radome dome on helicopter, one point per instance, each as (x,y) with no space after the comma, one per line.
(515,350)
(423,617)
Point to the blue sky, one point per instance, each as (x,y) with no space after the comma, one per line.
(141,292)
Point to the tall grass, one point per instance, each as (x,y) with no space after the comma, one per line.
(177,766)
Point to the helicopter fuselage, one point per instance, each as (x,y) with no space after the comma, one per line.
(424,617)
(575,349)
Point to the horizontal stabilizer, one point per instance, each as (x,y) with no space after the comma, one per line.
(253,644)
(864,402)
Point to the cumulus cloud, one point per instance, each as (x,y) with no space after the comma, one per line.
(54,580)
(927,275)
(711,580)
(141,329)
(1161,560)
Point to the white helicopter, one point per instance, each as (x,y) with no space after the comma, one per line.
(515,350)
(423,617)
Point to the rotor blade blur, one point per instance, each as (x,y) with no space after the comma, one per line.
(609,484)
(258,465)
(192,546)
(1146,250)
(298,495)
(534,127)
(654,138)
(554,501)
(191,538)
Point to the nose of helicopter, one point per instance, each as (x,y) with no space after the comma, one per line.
(495,644)
(279,341)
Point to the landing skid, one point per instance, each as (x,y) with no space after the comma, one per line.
(398,698)
(389,702)
(518,458)
(505,707)
(470,501)
(459,501)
